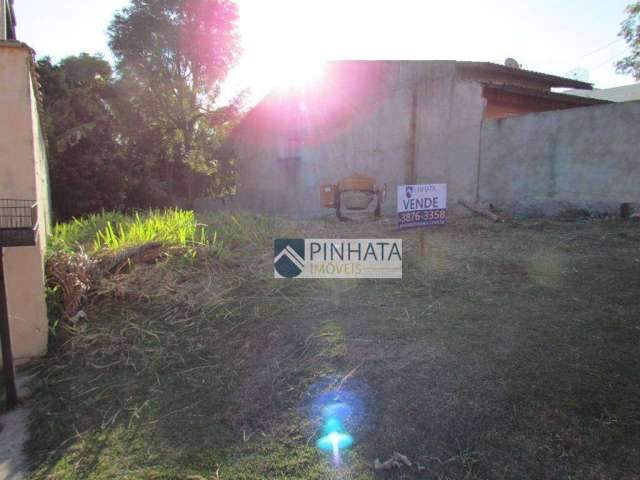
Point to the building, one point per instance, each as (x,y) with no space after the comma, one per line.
(626,93)
(23,176)
(396,121)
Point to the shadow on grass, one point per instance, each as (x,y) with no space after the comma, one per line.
(510,352)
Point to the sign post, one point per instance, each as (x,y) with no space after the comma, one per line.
(422,206)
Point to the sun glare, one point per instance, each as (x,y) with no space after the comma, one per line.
(287,51)
(294,72)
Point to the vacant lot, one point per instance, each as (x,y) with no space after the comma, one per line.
(509,352)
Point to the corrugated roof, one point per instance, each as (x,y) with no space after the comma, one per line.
(551,80)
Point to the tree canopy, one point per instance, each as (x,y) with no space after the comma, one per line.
(172,57)
(85,160)
(630,31)
(149,130)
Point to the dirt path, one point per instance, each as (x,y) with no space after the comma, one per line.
(13,436)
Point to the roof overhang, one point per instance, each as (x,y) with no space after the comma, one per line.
(509,92)
(538,77)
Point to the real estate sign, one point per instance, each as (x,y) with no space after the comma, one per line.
(422,205)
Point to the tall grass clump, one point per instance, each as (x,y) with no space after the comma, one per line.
(112,232)
(81,232)
(172,227)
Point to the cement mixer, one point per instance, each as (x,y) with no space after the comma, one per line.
(355,192)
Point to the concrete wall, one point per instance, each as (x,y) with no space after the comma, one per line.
(23,175)
(374,140)
(579,158)
(449,123)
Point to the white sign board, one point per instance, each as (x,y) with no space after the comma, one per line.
(422,205)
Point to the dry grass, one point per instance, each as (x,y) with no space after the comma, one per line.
(510,352)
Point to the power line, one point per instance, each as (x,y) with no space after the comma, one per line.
(598,50)
(610,59)
(575,59)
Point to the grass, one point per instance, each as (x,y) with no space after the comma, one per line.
(509,352)
(82,232)
(174,227)
(112,231)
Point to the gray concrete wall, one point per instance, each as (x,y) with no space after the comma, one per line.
(449,123)
(376,142)
(542,163)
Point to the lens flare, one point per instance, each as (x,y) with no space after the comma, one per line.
(338,413)
(334,442)
(335,438)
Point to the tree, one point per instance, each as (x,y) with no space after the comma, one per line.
(630,31)
(86,166)
(172,57)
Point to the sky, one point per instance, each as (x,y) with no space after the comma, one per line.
(285,39)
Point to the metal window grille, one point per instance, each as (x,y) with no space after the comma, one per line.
(18,222)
